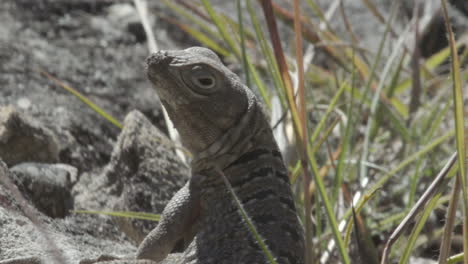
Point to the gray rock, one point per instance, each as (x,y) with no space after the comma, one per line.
(126,16)
(22,139)
(25,232)
(142,176)
(61,38)
(47,185)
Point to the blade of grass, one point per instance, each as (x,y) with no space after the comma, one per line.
(309,34)
(456,258)
(374,11)
(83,99)
(409,160)
(319,13)
(350,31)
(268,54)
(366,248)
(382,113)
(232,45)
(303,118)
(378,57)
(459,125)
(345,143)
(198,35)
(433,62)
(278,50)
(375,100)
(141,6)
(449,223)
(247,220)
(123,214)
(105,115)
(417,229)
(282,66)
(416,89)
(350,224)
(190,17)
(428,194)
(242,37)
(328,208)
(330,109)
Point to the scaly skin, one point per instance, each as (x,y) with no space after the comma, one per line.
(221,122)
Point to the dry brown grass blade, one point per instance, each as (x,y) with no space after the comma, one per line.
(282,65)
(190,6)
(366,248)
(416,89)
(309,34)
(314,38)
(302,115)
(419,205)
(449,223)
(350,30)
(460,125)
(374,11)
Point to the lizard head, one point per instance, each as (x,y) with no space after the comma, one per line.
(208,104)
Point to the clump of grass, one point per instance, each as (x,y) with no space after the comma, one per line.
(371,89)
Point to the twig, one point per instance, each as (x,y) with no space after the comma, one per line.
(431,190)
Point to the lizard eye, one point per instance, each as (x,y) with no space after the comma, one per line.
(200,79)
(203,79)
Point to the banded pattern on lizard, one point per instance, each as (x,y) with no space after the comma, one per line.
(223,124)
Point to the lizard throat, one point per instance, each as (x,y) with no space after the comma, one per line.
(237,137)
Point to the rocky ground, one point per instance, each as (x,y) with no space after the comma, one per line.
(58,153)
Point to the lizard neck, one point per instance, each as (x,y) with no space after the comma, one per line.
(245,135)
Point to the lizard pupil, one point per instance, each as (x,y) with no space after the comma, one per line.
(200,79)
(206,81)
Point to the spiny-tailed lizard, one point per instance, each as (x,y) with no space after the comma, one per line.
(223,124)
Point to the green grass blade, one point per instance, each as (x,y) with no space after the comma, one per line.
(417,229)
(83,99)
(200,36)
(242,37)
(409,160)
(445,245)
(375,99)
(191,18)
(330,108)
(458,258)
(459,125)
(247,220)
(233,46)
(328,208)
(124,214)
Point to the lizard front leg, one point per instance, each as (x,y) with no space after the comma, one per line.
(177,222)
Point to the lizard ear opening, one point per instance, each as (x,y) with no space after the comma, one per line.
(200,79)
